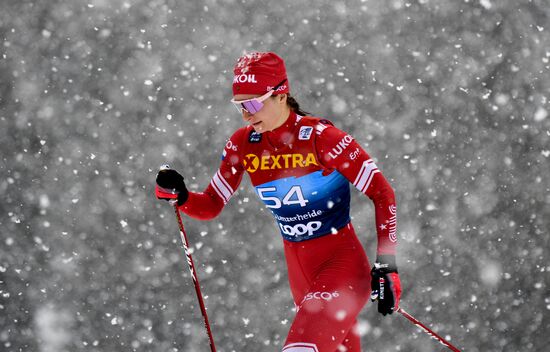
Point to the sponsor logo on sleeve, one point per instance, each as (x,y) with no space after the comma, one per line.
(341,146)
(393,223)
(353,155)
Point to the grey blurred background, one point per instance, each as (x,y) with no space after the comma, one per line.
(450,97)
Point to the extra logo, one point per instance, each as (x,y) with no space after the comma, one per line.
(341,146)
(305,133)
(252,162)
(301,229)
(244,78)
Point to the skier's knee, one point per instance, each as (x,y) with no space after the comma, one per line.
(301,347)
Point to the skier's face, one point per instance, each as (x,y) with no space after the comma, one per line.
(272,114)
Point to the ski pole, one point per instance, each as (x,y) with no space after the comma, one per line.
(427,330)
(183,236)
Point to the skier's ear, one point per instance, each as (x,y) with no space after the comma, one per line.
(282,98)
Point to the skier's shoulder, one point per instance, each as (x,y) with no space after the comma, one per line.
(313,121)
(239,136)
(322,126)
(233,143)
(243,139)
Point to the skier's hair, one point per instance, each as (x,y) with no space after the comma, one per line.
(295,106)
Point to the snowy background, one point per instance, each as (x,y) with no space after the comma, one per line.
(450,97)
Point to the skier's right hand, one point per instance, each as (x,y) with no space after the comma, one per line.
(170,185)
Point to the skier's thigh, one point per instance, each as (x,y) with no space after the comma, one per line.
(325,317)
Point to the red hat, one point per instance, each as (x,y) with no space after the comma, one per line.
(258,73)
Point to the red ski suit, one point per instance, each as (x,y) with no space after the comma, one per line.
(302,171)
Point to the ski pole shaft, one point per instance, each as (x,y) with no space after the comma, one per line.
(427,330)
(183,236)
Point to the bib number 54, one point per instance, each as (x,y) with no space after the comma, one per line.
(294,196)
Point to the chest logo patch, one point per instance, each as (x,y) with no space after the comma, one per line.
(254,137)
(305,133)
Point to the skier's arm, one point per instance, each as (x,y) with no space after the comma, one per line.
(338,150)
(210,202)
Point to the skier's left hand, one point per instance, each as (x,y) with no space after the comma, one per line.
(385,284)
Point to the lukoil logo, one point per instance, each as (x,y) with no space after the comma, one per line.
(244,78)
(252,162)
(301,229)
(343,144)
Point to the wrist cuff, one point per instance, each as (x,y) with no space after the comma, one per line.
(182,197)
(389,260)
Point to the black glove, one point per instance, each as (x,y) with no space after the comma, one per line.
(170,185)
(385,284)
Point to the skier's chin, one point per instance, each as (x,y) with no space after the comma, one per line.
(258,127)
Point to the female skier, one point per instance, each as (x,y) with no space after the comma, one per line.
(301,168)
